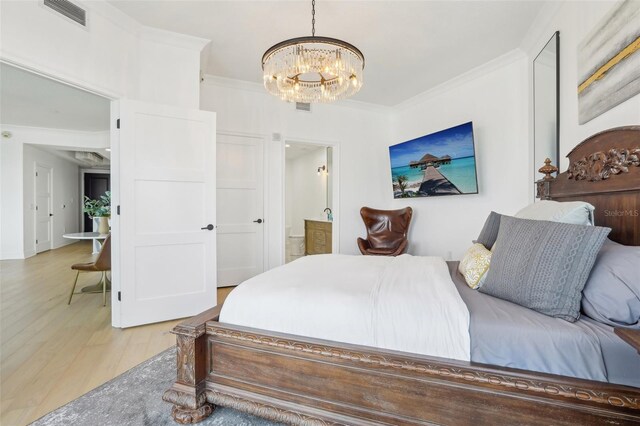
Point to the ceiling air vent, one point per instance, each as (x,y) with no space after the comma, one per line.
(68,9)
(303,106)
(88,157)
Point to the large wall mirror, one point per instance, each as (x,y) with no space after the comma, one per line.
(546,104)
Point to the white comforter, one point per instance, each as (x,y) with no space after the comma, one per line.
(407,303)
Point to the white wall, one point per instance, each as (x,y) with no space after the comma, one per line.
(359,130)
(114,55)
(118,57)
(308,191)
(16,188)
(169,68)
(288,197)
(11,203)
(574,20)
(65,197)
(494,97)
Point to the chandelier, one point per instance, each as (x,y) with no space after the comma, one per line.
(312,69)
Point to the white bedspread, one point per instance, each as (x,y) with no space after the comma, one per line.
(407,303)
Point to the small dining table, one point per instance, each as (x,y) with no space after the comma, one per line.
(96,288)
(87,236)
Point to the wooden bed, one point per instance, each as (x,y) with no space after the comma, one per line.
(305,381)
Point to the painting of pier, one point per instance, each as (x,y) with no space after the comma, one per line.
(441,163)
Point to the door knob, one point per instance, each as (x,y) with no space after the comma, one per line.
(257,221)
(209,227)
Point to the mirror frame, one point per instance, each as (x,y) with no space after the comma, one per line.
(556,158)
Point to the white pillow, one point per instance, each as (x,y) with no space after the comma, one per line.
(575,212)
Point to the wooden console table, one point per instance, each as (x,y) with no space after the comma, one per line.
(318,237)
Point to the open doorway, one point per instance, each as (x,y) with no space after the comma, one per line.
(52,134)
(166,191)
(95,183)
(309,199)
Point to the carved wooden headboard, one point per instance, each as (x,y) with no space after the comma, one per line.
(604,170)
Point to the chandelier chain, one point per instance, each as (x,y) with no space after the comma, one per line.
(313,18)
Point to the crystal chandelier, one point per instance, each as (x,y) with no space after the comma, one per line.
(312,69)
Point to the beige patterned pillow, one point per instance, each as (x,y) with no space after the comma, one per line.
(474,265)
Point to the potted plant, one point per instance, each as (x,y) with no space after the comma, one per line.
(101,209)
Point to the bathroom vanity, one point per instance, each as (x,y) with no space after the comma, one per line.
(317,236)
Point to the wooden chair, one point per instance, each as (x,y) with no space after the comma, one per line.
(101,264)
(386,231)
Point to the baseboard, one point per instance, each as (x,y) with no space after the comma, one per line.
(29,253)
(63,243)
(11,256)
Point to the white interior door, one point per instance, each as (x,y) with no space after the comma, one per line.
(43,208)
(167,194)
(240,193)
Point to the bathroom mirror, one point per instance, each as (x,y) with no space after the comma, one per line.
(546,104)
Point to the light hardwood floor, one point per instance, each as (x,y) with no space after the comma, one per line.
(52,353)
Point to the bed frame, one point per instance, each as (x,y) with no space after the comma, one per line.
(305,381)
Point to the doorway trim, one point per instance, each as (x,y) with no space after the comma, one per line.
(113,97)
(335,188)
(82,173)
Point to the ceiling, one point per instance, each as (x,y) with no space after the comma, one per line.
(69,153)
(27,99)
(409,46)
(295,150)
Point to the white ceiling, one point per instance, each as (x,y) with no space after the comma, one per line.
(69,153)
(295,150)
(27,99)
(409,46)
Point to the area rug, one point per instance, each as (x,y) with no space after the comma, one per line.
(135,398)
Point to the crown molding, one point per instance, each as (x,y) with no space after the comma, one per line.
(538,34)
(250,86)
(111,13)
(171,38)
(58,137)
(365,106)
(231,83)
(27,64)
(21,127)
(135,28)
(473,74)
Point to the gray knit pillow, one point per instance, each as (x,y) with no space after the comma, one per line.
(543,265)
(489,231)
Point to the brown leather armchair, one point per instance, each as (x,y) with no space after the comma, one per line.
(386,231)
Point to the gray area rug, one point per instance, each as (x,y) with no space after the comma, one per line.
(135,398)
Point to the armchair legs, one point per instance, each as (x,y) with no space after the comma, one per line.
(104,288)
(73,289)
(100,287)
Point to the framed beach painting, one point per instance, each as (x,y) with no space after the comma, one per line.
(442,163)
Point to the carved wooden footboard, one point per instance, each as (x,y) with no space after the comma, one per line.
(304,381)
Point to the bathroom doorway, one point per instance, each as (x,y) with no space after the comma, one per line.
(309,199)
